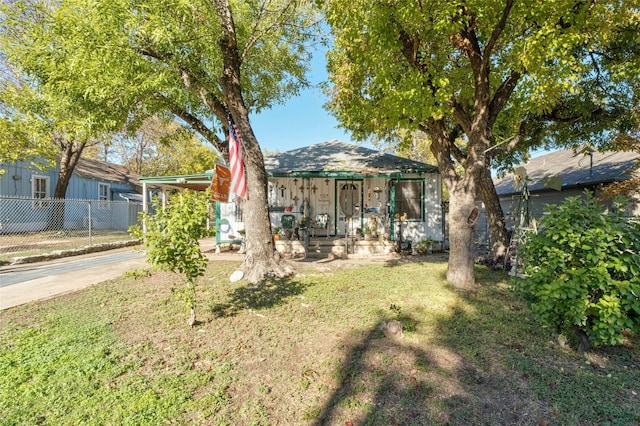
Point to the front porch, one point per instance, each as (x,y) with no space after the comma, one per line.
(352,247)
(333,247)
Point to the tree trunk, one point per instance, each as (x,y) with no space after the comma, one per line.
(261,257)
(495,215)
(68,160)
(192,316)
(462,219)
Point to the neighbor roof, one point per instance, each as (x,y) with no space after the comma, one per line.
(101,170)
(335,158)
(575,168)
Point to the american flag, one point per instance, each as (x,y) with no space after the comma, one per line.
(236,162)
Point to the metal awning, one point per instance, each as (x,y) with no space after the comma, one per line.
(129,195)
(197,182)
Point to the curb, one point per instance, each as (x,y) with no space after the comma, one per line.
(74,252)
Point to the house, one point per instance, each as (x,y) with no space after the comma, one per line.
(22,185)
(338,189)
(357,188)
(553,177)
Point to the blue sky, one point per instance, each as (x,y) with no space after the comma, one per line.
(302,121)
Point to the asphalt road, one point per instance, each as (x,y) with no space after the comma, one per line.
(20,284)
(19,275)
(24,283)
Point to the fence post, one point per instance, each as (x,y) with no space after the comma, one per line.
(90,221)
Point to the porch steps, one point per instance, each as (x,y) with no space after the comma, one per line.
(322,247)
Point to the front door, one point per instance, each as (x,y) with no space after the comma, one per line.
(348,206)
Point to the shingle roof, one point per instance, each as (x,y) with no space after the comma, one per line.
(337,156)
(108,172)
(575,169)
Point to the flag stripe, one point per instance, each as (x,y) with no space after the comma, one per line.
(236,162)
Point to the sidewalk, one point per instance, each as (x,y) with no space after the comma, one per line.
(59,282)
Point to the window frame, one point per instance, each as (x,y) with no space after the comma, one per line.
(399,198)
(38,201)
(103,198)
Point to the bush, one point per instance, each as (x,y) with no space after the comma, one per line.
(171,239)
(582,270)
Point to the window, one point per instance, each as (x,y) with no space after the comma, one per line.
(103,195)
(409,199)
(40,191)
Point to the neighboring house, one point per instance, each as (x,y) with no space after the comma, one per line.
(91,181)
(553,177)
(338,189)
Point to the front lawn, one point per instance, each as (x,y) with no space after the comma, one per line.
(306,351)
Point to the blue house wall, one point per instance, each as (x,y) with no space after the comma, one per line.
(17,179)
(20,213)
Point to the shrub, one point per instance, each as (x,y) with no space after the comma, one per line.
(172,238)
(582,270)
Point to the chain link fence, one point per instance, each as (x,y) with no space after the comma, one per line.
(30,226)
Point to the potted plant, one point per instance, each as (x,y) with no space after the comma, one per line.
(368,233)
(276,233)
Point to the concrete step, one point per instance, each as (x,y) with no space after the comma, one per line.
(321,247)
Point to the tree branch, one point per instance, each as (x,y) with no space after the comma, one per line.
(502,95)
(461,116)
(195,123)
(495,34)
(257,34)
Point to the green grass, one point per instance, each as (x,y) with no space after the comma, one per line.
(305,351)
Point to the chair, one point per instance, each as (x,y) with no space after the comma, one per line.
(321,221)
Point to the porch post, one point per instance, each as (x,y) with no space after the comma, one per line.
(145,206)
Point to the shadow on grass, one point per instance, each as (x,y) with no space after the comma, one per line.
(382,381)
(487,362)
(426,260)
(272,293)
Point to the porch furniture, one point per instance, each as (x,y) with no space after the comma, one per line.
(321,221)
(288,222)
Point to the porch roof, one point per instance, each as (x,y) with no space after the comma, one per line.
(333,159)
(341,159)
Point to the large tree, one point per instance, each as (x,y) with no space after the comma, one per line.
(475,76)
(44,127)
(200,60)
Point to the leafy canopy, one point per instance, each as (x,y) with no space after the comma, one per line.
(124,61)
(405,64)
